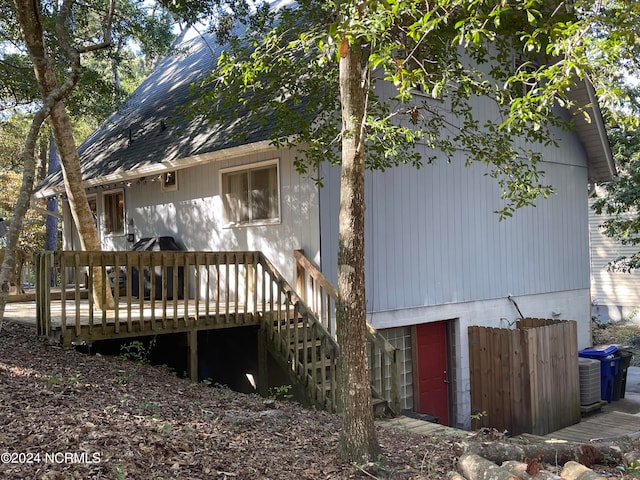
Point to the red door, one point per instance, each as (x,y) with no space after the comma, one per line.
(433,384)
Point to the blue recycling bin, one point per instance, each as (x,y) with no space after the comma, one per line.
(609,364)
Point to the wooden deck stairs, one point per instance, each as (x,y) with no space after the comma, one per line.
(210,290)
(321,296)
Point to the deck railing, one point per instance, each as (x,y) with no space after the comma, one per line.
(151,290)
(295,331)
(173,291)
(321,296)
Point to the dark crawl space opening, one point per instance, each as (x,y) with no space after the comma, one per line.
(227,357)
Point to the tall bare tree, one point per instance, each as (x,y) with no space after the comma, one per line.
(53,93)
(56,35)
(352,334)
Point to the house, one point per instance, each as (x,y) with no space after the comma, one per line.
(615,295)
(437,258)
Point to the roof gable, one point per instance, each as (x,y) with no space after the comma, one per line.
(151,131)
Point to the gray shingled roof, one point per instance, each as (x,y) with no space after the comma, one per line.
(150,134)
(150,130)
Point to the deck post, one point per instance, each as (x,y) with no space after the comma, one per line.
(192,346)
(251,288)
(301,279)
(263,369)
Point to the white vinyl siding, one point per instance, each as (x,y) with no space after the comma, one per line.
(194,214)
(615,295)
(432,237)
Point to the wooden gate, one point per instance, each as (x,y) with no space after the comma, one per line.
(525,380)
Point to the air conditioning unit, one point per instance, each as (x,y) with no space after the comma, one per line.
(590,385)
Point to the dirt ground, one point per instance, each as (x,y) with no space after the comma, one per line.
(626,334)
(68,415)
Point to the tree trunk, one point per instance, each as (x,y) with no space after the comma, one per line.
(498,452)
(455,476)
(51,235)
(576,471)
(115,71)
(20,210)
(475,467)
(358,440)
(51,232)
(529,470)
(29,19)
(517,468)
(77,197)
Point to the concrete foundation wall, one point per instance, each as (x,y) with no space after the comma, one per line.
(498,313)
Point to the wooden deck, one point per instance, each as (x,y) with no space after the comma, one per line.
(21,312)
(617,420)
(164,292)
(607,426)
(422,427)
(130,319)
(158,292)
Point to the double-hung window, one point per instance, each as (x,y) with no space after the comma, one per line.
(113,203)
(251,193)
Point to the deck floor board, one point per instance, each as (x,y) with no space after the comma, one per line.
(133,320)
(600,426)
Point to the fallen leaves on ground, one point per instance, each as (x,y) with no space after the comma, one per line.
(68,415)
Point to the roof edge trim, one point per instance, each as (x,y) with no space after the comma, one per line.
(602,132)
(159,168)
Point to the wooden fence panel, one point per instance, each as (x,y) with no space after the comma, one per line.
(502,352)
(520,387)
(475,358)
(525,380)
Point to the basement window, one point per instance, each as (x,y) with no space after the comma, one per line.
(113,203)
(251,194)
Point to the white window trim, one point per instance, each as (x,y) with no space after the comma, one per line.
(248,167)
(103,221)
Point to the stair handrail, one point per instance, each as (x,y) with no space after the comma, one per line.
(323,391)
(288,289)
(323,294)
(308,275)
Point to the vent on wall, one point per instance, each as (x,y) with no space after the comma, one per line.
(169,181)
(589,381)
